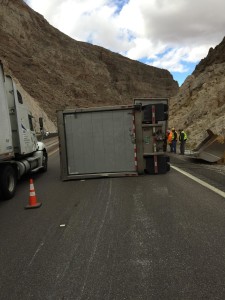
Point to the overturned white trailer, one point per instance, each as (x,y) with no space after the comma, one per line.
(114,141)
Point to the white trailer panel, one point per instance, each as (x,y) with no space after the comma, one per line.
(24,137)
(6,147)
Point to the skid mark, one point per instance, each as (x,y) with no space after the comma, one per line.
(96,241)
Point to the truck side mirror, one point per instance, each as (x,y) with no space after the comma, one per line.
(41,124)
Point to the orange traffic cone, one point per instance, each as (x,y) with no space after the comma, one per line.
(32,199)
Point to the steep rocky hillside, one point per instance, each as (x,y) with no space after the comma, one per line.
(200,102)
(57,71)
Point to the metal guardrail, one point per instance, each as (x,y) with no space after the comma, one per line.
(42,137)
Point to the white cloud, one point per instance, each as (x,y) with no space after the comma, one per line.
(172,60)
(170,34)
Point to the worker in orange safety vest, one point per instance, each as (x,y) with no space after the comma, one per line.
(169,138)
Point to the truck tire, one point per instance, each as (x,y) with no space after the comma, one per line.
(45,162)
(8,180)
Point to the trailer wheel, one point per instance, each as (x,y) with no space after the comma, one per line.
(45,162)
(8,180)
(168,167)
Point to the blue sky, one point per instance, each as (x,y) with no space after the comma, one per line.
(169,34)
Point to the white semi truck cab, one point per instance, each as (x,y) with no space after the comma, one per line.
(20,151)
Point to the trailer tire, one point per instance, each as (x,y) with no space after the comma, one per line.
(167,167)
(45,162)
(8,180)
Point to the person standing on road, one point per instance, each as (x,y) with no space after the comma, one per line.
(182,139)
(169,138)
(174,140)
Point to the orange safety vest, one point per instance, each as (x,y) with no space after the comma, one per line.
(170,136)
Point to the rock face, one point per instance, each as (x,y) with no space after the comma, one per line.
(200,102)
(57,71)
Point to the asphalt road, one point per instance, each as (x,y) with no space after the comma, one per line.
(211,173)
(146,237)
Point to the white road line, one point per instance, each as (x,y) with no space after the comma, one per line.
(52,152)
(210,187)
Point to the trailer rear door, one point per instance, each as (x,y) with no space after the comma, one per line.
(98,143)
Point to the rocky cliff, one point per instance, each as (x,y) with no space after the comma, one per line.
(200,102)
(57,71)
